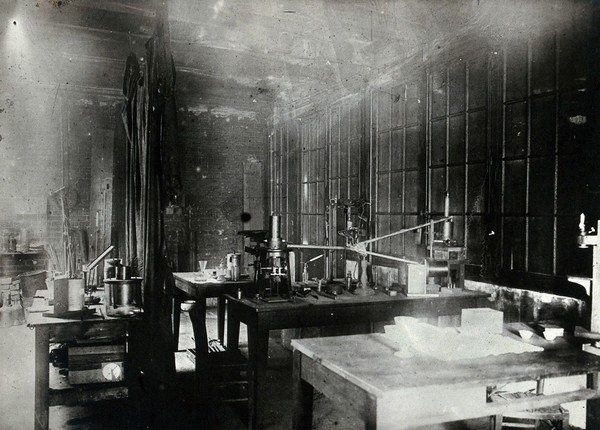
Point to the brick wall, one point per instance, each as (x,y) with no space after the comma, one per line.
(217,142)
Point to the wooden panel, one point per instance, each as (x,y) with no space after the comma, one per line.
(383,228)
(438,142)
(397,147)
(413,111)
(543,61)
(397,242)
(478,83)
(456,139)
(541,186)
(477,136)
(396,191)
(475,233)
(383,192)
(573,57)
(355,154)
(513,254)
(383,151)
(398,106)
(414,148)
(456,188)
(572,117)
(476,188)
(571,187)
(543,126)
(516,130)
(457,88)
(438,189)
(515,190)
(516,71)
(438,93)
(412,195)
(384,107)
(343,168)
(540,248)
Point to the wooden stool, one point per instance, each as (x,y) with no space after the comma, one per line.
(554,417)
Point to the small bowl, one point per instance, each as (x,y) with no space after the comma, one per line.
(188,305)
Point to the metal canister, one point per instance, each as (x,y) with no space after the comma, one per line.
(235,260)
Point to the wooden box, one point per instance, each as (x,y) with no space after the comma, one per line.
(90,364)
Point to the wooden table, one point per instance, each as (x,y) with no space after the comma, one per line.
(199,291)
(261,317)
(361,372)
(63,330)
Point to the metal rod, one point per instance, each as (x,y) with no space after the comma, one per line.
(290,245)
(98,259)
(406,230)
(389,257)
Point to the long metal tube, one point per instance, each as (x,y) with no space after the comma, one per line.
(406,230)
(291,245)
(98,259)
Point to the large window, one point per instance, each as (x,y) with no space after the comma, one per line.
(397,166)
(458,147)
(284,186)
(543,115)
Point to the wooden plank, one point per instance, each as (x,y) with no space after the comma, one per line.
(464,411)
(86,394)
(42,378)
(302,395)
(95,349)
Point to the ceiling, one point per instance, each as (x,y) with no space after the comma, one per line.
(292,50)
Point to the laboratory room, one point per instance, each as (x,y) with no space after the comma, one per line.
(299,214)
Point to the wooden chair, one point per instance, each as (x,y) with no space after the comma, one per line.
(553,417)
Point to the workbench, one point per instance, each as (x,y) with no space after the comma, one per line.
(316,311)
(362,373)
(63,330)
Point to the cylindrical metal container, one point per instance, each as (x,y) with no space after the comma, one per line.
(235,261)
(123,296)
(76,295)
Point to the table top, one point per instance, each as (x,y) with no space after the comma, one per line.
(188,283)
(35,314)
(35,319)
(368,361)
(348,299)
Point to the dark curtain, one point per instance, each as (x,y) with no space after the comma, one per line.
(151,182)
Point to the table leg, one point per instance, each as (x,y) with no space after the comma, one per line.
(176,313)
(302,396)
(42,377)
(221,318)
(258,354)
(198,318)
(233,330)
(593,405)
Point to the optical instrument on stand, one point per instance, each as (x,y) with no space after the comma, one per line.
(272,264)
